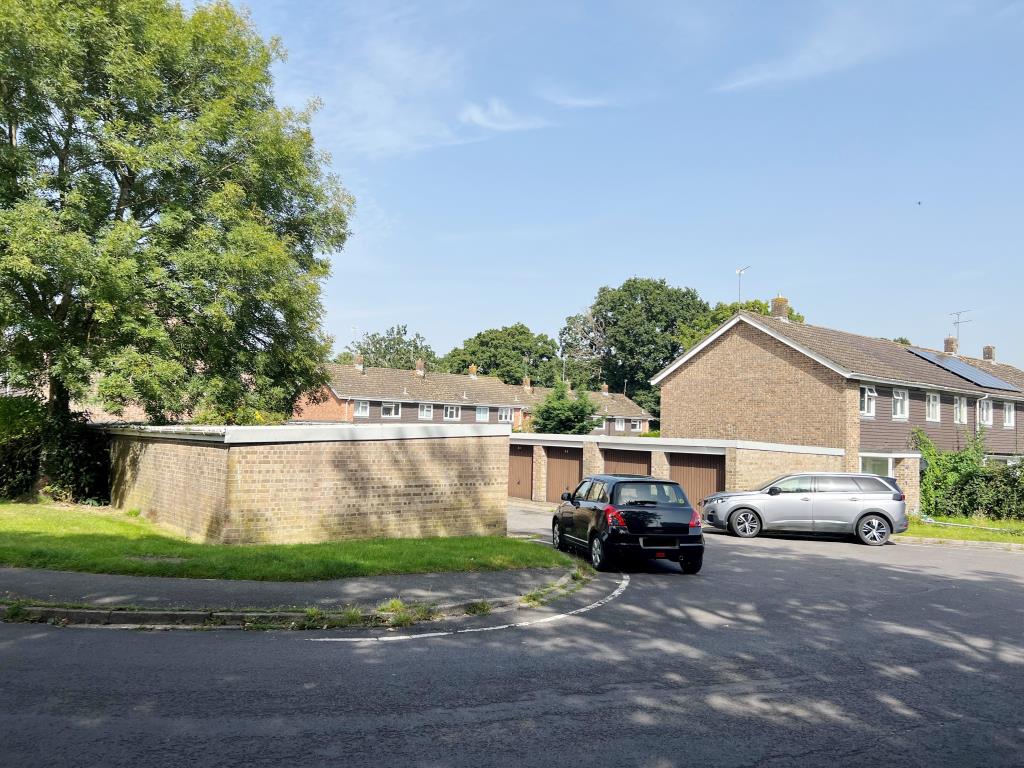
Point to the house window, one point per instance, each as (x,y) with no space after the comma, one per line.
(452,412)
(985,413)
(959,410)
(390,410)
(933,407)
(634,425)
(427,411)
(620,425)
(875,465)
(362,409)
(483,413)
(868,395)
(1009,416)
(505,415)
(900,404)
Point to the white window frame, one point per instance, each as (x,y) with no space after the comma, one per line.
(362,410)
(426,411)
(933,407)
(889,472)
(634,425)
(454,409)
(901,396)
(959,409)
(505,415)
(1009,415)
(983,412)
(395,408)
(620,424)
(483,410)
(868,397)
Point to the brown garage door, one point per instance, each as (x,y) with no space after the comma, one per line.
(520,471)
(699,474)
(627,462)
(565,470)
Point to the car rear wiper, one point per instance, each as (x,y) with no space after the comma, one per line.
(641,502)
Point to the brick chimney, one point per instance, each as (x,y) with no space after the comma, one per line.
(421,367)
(952,345)
(780,307)
(472,370)
(526,384)
(358,362)
(988,353)
(604,390)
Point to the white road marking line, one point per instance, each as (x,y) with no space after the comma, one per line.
(623,583)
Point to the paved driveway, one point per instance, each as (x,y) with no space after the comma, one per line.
(781,652)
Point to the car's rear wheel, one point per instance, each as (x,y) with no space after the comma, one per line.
(873,530)
(745,523)
(599,555)
(557,540)
(690,564)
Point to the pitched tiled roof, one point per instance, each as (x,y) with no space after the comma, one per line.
(347,381)
(871,358)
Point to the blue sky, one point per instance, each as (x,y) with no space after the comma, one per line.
(508,159)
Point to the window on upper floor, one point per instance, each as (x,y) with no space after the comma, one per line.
(390,410)
(985,413)
(959,410)
(427,411)
(505,415)
(900,405)
(452,412)
(634,425)
(868,396)
(362,409)
(483,413)
(620,425)
(933,407)
(1009,415)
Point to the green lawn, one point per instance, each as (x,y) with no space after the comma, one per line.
(1016,534)
(105,541)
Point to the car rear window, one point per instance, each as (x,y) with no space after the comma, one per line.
(837,484)
(648,493)
(873,485)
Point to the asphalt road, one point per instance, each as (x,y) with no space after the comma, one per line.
(781,652)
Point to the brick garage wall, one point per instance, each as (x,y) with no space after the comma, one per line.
(316,491)
(179,484)
(746,469)
(748,386)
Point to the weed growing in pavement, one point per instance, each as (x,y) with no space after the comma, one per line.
(394,605)
(479,608)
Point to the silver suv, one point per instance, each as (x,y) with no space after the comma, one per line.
(869,506)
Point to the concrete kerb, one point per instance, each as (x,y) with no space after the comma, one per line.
(1005,546)
(140,618)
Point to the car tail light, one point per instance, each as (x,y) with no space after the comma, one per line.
(899,497)
(695,520)
(614,517)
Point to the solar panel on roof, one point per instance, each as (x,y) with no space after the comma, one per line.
(965,371)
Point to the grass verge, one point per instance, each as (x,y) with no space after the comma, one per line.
(100,540)
(1012,530)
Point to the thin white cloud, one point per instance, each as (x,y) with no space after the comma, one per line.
(495,115)
(848,37)
(570,101)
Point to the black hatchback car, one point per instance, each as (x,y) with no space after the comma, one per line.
(630,516)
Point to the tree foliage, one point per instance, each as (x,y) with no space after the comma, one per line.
(508,353)
(394,348)
(163,223)
(581,345)
(692,334)
(563,414)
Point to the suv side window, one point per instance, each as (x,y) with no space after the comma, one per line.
(581,491)
(798,484)
(873,485)
(598,492)
(835,484)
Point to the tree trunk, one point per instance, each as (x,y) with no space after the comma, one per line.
(58,404)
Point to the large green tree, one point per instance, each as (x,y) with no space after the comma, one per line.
(635,328)
(508,353)
(163,223)
(690,335)
(394,348)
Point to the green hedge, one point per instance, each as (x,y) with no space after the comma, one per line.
(22,422)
